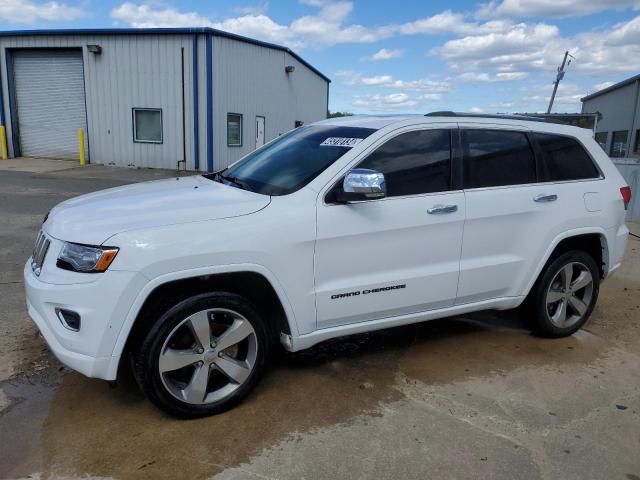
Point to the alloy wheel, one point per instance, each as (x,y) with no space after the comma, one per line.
(569,295)
(208,356)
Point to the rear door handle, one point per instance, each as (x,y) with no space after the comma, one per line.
(440,209)
(544,198)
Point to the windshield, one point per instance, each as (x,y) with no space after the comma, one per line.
(293,160)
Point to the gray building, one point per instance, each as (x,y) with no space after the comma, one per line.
(618,130)
(194,98)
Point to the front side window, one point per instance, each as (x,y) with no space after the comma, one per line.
(292,160)
(619,144)
(601,138)
(234,130)
(496,157)
(636,146)
(147,125)
(414,162)
(566,158)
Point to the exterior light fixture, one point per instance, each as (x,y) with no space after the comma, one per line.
(96,49)
(289,68)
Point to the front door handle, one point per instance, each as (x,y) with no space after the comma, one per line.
(543,198)
(440,209)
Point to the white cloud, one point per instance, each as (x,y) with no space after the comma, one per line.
(259,9)
(252,25)
(498,77)
(520,43)
(385,102)
(602,85)
(261,27)
(385,54)
(605,52)
(327,26)
(530,47)
(25,11)
(625,33)
(448,22)
(567,98)
(550,8)
(146,16)
(349,77)
(476,110)
(407,94)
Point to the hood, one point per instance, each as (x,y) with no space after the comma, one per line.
(93,218)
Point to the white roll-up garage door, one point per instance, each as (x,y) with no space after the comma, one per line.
(50,101)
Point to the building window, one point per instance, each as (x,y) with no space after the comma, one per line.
(601,138)
(636,146)
(619,144)
(234,129)
(147,125)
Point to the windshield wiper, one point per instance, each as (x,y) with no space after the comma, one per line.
(234,180)
(226,179)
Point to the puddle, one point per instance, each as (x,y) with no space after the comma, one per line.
(67,424)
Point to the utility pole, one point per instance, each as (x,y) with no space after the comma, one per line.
(559,77)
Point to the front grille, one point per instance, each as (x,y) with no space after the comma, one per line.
(39,253)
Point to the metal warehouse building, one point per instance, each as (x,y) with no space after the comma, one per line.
(618,131)
(194,98)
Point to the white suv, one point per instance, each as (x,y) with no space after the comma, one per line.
(340,227)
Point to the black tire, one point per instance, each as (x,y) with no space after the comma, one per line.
(540,313)
(147,358)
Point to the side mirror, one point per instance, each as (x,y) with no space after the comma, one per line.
(362,184)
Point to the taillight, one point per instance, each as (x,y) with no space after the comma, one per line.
(626,196)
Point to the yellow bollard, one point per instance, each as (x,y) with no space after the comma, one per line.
(4,154)
(83,159)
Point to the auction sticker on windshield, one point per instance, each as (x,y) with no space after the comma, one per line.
(341,142)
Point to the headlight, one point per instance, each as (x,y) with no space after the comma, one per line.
(85,258)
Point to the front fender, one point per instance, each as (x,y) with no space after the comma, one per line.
(154,283)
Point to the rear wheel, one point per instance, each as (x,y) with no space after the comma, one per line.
(203,356)
(564,297)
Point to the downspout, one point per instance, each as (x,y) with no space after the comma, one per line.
(327,114)
(3,125)
(196,125)
(633,119)
(209,57)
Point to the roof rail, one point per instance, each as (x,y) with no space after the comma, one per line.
(528,118)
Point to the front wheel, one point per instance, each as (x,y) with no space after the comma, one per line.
(203,356)
(564,297)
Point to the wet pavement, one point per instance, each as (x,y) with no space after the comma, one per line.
(472,397)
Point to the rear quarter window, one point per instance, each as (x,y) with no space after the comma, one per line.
(564,158)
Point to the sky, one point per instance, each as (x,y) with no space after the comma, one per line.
(409,56)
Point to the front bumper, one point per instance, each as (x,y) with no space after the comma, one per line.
(103,305)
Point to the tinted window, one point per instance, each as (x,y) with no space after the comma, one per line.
(414,162)
(566,158)
(601,138)
(293,160)
(497,157)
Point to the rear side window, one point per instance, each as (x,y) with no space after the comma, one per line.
(495,158)
(565,159)
(414,162)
